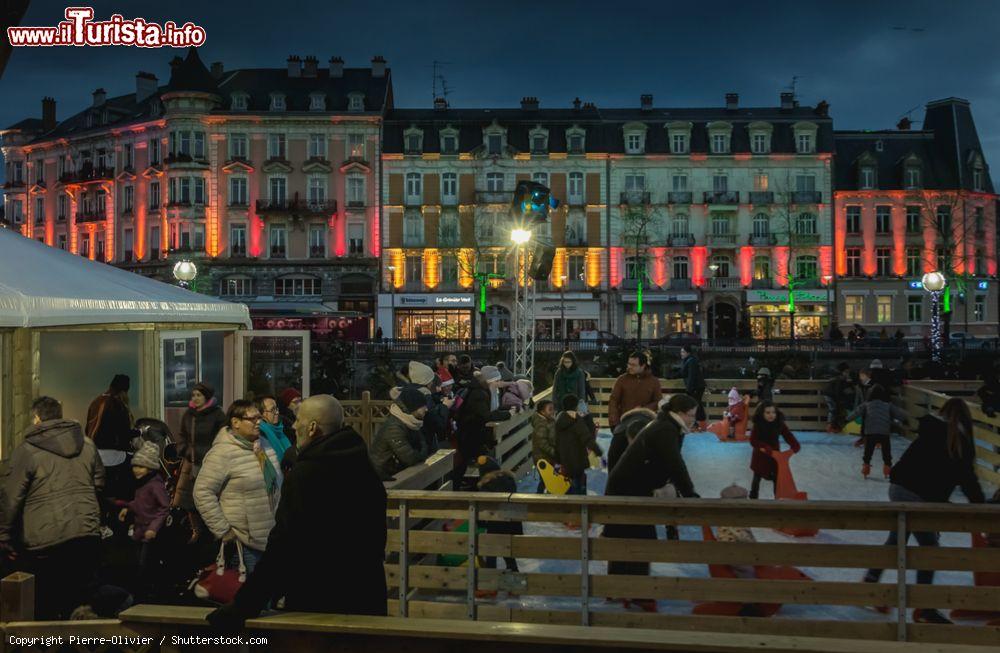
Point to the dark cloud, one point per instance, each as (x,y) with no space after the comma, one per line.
(846,52)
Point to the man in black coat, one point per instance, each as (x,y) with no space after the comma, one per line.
(332,504)
(694,380)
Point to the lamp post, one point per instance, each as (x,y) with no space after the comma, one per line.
(392,296)
(185,272)
(713,323)
(562,309)
(829,318)
(934,283)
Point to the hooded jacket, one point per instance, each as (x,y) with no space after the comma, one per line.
(543,438)
(631,391)
(927,469)
(347,537)
(150,506)
(694,380)
(651,461)
(573,439)
(876,417)
(471,419)
(396,447)
(49,491)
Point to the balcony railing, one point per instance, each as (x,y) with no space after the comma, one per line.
(324,207)
(725,283)
(355,204)
(174,158)
(494,196)
(805,239)
(634,197)
(807,197)
(88,174)
(575,199)
(576,240)
(317,251)
(680,284)
(722,197)
(238,251)
(686,240)
(278,252)
(356,249)
(90,216)
(763,240)
(14,183)
(413,240)
(761,197)
(679,197)
(762,284)
(722,239)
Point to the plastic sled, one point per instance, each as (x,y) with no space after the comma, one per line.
(458,559)
(851,428)
(554,482)
(721,429)
(729,609)
(785,489)
(981,579)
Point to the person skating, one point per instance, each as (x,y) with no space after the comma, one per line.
(399,442)
(149,509)
(768,426)
(765,386)
(494,479)
(839,394)
(877,415)
(569,379)
(637,388)
(694,381)
(736,411)
(628,428)
(942,457)
(543,436)
(574,439)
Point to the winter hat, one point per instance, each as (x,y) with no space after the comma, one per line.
(505,374)
(876,365)
(120,383)
(763,372)
(524,388)
(411,399)
(487,465)
(570,402)
(735,397)
(147,456)
(288,395)
(419,373)
(205,389)
(734,491)
(490,374)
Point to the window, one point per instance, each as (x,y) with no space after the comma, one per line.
(237,240)
(913,263)
(413,229)
(576,267)
(414,143)
(99,247)
(576,230)
(414,185)
(720,225)
(317,241)
(494,144)
(39,210)
(912,177)
(277,101)
(317,102)
(633,143)
(723,264)
(761,225)
(760,144)
(576,187)
(915,308)
(199,191)
(762,268)
(278,241)
(15,212)
(977,179)
(760,182)
(62,208)
(448,229)
(679,226)
(944,222)
(883,219)
(805,267)
(854,220)
(805,224)
(494,182)
(449,144)
(720,143)
(979,220)
(576,144)
(154,194)
(278,187)
(882,261)
(804,143)
(317,146)
(199,238)
(541,178)
(128,161)
(913,225)
(355,239)
(61,240)
(154,243)
(854,309)
(635,267)
(102,202)
(236,287)
(853,262)
(239,102)
(449,271)
(128,199)
(883,308)
(680,267)
(720,183)
(942,259)
(276,146)
(296,286)
(867,177)
(414,269)
(60,167)
(679,144)
(237,191)
(357,102)
(538,144)
(980,269)
(979,309)
(680,183)
(449,185)
(185,237)
(317,191)
(85,245)
(355,190)
(356,145)
(154,151)
(805,183)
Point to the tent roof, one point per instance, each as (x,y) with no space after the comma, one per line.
(45,286)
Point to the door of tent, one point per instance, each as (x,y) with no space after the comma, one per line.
(268,362)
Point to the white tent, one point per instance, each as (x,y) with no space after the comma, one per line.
(42,286)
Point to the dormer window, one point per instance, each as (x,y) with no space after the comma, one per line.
(867,177)
(575,140)
(635,138)
(679,137)
(413,141)
(878,145)
(239,102)
(977,178)
(539,140)
(494,138)
(277,101)
(356,102)
(805,137)
(317,102)
(911,177)
(760,137)
(719,137)
(449,141)
(720,144)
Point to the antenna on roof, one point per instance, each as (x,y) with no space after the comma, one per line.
(436,78)
(791,87)
(907,114)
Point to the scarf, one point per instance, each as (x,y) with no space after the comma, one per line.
(275,435)
(680,422)
(407,419)
(266,467)
(205,406)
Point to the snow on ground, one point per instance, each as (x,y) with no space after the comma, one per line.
(828,467)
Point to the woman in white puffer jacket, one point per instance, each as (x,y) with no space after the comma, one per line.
(237,489)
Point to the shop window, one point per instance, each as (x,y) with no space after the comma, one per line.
(854,309)
(883,308)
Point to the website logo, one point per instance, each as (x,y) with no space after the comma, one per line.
(80,29)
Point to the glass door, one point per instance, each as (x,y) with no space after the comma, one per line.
(268,362)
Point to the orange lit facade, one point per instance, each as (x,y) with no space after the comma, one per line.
(910,202)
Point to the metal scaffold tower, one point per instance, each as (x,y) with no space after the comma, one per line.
(523,313)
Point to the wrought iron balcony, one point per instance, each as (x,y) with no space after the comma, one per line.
(686,240)
(88,174)
(494,196)
(762,284)
(722,239)
(634,197)
(90,216)
(725,283)
(296,205)
(722,197)
(807,197)
(805,239)
(317,251)
(679,197)
(761,197)
(680,284)
(763,240)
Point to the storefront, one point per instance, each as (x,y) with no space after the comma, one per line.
(581,311)
(662,314)
(770,317)
(409,316)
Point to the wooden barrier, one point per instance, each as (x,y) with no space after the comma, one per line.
(435,591)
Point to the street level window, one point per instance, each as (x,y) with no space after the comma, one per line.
(915,308)
(979,309)
(883,308)
(297,287)
(854,309)
(237,287)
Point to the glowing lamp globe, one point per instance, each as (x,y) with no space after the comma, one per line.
(934,281)
(185,271)
(520,236)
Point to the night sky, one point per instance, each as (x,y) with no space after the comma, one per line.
(686,54)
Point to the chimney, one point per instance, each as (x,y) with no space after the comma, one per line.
(100,95)
(823,108)
(336,67)
(787,101)
(732,101)
(903,124)
(48,113)
(310,66)
(294,66)
(589,105)
(146,85)
(529,103)
(440,103)
(217,69)
(646,102)
(576,104)
(378,66)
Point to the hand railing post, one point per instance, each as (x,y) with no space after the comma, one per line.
(584,565)
(901,538)
(404,559)
(470,592)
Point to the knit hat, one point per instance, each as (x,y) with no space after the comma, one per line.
(570,402)
(288,395)
(489,374)
(875,365)
(505,374)
(487,465)
(735,397)
(524,388)
(734,491)
(120,383)
(147,456)
(419,374)
(763,372)
(411,399)
(206,390)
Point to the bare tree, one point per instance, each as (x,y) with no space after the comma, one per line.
(636,217)
(11,13)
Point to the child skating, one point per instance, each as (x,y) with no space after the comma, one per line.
(877,416)
(768,426)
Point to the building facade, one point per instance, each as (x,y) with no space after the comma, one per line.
(266,178)
(910,202)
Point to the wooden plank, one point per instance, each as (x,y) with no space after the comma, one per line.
(17,597)
(952,597)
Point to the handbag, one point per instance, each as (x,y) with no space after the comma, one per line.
(216,583)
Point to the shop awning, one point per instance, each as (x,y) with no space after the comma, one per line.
(292,308)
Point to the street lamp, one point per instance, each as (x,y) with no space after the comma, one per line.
(520,236)
(713,268)
(392,291)
(828,278)
(562,308)
(934,283)
(185,272)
